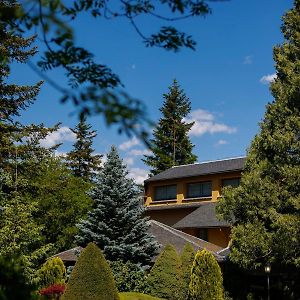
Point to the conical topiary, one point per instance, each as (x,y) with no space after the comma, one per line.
(91,278)
(164,278)
(187,258)
(206,278)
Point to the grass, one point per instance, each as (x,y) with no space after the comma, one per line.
(136,296)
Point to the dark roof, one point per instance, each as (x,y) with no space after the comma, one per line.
(69,255)
(204,216)
(165,234)
(213,167)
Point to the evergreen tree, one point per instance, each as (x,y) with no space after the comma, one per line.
(187,258)
(171,145)
(265,207)
(81,159)
(206,278)
(91,278)
(164,280)
(117,223)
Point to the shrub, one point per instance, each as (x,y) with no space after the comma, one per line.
(187,258)
(91,278)
(53,291)
(164,278)
(129,277)
(206,278)
(52,272)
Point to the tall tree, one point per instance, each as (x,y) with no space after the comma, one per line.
(265,208)
(81,159)
(117,223)
(171,145)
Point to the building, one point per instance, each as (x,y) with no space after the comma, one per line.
(184,197)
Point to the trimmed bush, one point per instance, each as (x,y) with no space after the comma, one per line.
(187,258)
(52,272)
(91,278)
(206,278)
(136,296)
(53,291)
(164,278)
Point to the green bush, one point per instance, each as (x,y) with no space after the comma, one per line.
(206,278)
(136,296)
(53,271)
(187,258)
(164,278)
(129,277)
(91,278)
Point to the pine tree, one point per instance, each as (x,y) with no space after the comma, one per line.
(91,278)
(171,145)
(206,278)
(81,159)
(164,280)
(187,258)
(265,207)
(117,223)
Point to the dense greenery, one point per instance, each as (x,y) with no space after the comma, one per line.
(171,145)
(206,278)
(187,258)
(91,278)
(165,276)
(53,271)
(81,160)
(117,223)
(136,296)
(265,207)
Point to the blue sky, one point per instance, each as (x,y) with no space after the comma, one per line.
(226,78)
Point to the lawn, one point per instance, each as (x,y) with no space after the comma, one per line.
(136,296)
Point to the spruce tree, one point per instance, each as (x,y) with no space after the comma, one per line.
(206,278)
(164,280)
(265,207)
(116,223)
(171,145)
(81,159)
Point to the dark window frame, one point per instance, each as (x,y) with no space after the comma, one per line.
(165,198)
(201,195)
(231,179)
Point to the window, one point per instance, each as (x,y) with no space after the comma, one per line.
(234,182)
(203,234)
(167,192)
(199,189)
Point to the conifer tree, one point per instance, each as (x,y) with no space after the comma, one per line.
(171,145)
(187,258)
(81,159)
(164,280)
(206,278)
(116,223)
(265,207)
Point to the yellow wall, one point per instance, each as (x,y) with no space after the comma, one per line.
(219,236)
(181,183)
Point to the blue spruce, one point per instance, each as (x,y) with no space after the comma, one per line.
(116,224)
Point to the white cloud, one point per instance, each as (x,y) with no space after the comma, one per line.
(60,154)
(140,152)
(129,144)
(129,161)
(222,142)
(268,78)
(138,175)
(205,123)
(247,60)
(63,134)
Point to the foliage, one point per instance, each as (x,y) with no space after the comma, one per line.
(81,159)
(128,276)
(62,201)
(171,145)
(265,207)
(94,87)
(53,291)
(164,280)
(187,258)
(117,223)
(136,296)
(206,278)
(91,277)
(13,284)
(52,272)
